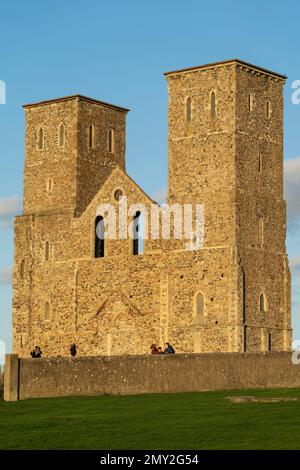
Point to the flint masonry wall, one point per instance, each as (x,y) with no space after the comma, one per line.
(129,375)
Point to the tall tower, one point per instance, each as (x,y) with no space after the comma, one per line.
(226,152)
(72,144)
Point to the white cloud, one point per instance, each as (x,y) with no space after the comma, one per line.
(9,208)
(5,275)
(292,192)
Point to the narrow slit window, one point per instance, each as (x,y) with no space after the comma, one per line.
(99,237)
(199,307)
(138,241)
(47,311)
(269,342)
(189,110)
(213,104)
(262,303)
(61,136)
(49,186)
(245,338)
(260,164)
(268,109)
(111,141)
(40,138)
(47,251)
(261,229)
(250,102)
(91,136)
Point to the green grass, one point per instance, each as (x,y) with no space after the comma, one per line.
(162,421)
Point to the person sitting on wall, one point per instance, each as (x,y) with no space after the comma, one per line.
(36,353)
(73,350)
(169,349)
(160,351)
(154,349)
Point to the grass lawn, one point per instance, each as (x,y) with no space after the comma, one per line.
(164,421)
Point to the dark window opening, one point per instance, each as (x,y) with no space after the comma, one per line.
(136,237)
(99,237)
(245,338)
(269,342)
(244,295)
(213,104)
(189,109)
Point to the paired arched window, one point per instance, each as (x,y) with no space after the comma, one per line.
(61,135)
(137,241)
(188,105)
(40,138)
(262,303)
(47,251)
(213,104)
(111,141)
(91,136)
(99,237)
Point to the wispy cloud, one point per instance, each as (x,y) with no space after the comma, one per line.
(292,192)
(295,264)
(9,208)
(5,275)
(160,195)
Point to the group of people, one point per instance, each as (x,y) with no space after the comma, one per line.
(37,352)
(158,350)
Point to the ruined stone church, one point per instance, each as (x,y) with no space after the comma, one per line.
(108,296)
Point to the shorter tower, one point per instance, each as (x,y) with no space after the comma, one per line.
(72,144)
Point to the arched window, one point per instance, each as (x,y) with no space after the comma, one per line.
(262,303)
(91,136)
(111,141)
(189,110)
(47,311)
(213,104)
(268,109)
(40,138)
(261,231)
(99,237)
(138,241)
(250,102)
(61,135)
(47,251)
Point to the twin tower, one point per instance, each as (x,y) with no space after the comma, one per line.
(225,152)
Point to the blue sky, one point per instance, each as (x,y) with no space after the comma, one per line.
(117,51)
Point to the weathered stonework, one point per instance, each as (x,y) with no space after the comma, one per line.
(227,155)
